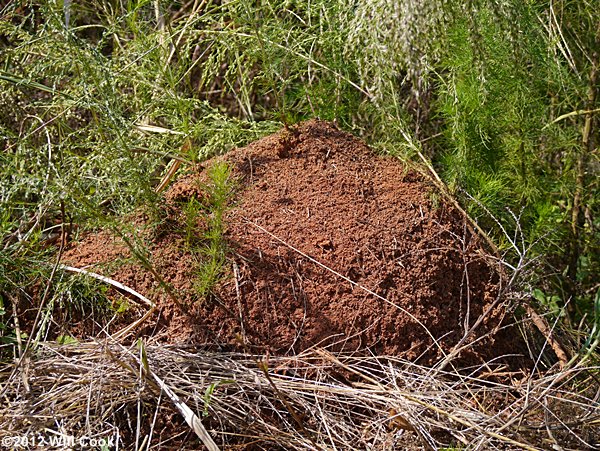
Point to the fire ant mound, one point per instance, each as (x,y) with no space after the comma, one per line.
(328,245)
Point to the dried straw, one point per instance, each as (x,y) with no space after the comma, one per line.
(316,400)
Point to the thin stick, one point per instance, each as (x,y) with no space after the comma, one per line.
(546,331)
(109,281)
(123,332)
(188,414)
(238,292)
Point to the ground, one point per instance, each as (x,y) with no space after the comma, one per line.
(328,245)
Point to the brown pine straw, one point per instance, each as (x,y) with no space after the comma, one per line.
(103,389)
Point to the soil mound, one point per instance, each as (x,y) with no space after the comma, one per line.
(329,245)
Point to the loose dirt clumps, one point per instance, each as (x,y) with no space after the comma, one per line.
(329,245)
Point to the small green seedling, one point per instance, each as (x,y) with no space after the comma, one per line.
(219,189)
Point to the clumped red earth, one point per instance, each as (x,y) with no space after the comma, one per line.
(329,245)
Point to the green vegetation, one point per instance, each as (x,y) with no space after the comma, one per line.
(192,215)
(213,249)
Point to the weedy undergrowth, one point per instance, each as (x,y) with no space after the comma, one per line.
(90,115)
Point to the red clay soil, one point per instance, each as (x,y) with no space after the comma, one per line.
(329,245)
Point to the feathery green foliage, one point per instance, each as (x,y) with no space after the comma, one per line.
(213,251)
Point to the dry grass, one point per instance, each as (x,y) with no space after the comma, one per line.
(315,400)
